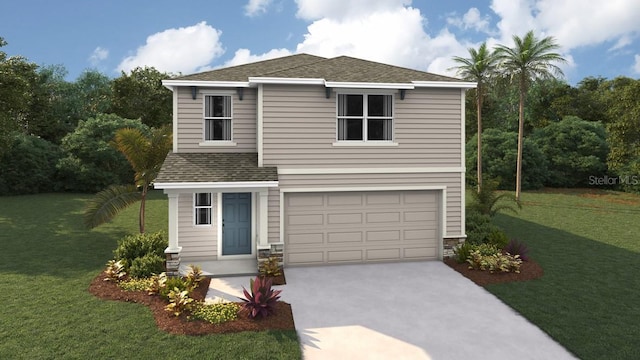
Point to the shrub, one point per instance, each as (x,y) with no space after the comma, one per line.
(194,275)
(516,247)
(217,313)
(179,301)
(489,202)
(136,284)
(146,266)
(495,262)
(270,267)
(462,252)
(157,283)
(479,227)
(114,271)
(498,238)
(136,246)
(172,283)
(262,299)
(28,165)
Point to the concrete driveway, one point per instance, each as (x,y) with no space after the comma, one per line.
(417,310)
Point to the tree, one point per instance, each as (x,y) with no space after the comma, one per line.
(90,163)
(530,58)
(141,95)
(146,154)
(575,149)
(479,67)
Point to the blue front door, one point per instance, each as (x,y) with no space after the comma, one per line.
(236,223)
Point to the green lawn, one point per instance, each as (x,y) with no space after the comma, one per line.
(588,243)
(48,259)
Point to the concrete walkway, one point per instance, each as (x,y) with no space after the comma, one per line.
(418,310)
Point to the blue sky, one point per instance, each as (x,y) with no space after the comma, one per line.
(598,38)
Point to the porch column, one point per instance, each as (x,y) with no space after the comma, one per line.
(173,251)
(263,222)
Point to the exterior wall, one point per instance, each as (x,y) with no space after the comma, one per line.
(452,181)
(191,122)
(300,129)
(197,242)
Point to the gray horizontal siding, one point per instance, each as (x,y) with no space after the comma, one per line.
(198,242)
(300,128)
(190,122)
(451,180)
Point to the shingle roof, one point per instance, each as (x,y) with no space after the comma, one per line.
(214,167)
(338,69)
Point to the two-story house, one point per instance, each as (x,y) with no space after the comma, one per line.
(321,161)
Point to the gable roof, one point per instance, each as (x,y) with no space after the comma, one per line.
(341,69)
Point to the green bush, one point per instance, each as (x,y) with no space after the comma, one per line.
(462,252)
(136,284)
(173,283)
(574,149)
(28,165)
(217,313)
(136,246)
(498,238)
(479,227)
(146,266)
(499,154)
(91,163)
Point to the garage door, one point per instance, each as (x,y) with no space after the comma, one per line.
(352,227)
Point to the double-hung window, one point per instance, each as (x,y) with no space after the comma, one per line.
(217,118)
(203,209)
(365,117)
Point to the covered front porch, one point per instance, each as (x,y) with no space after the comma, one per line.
(218,211)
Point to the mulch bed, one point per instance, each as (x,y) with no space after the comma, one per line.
(529,270)
(282,319)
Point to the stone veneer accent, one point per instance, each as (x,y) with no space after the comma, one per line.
(449,244)
(173,263)
(276,251)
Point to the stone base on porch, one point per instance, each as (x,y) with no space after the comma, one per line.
(219,268)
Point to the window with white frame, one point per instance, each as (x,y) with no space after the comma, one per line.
(363,117)
(203,208)
(217,118)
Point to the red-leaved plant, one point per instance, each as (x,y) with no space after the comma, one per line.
(516,247)
(262,299)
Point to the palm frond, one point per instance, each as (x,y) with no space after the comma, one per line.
(106,204)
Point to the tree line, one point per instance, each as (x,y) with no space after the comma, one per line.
(57,135)
(538,131)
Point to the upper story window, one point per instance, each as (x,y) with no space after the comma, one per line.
(203,208)
(217,118)
(365,117)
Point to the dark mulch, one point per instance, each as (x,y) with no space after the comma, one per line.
(282,319)
(529,270)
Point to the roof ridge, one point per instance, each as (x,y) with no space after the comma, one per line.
(321,59)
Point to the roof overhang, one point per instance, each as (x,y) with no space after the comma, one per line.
(254,81)
(217,186)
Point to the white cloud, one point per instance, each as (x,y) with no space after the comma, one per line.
(636,65)
(98,55)
(622,42)
(471,20)
(343,9)
(243,56)
(182,50)
(256,7)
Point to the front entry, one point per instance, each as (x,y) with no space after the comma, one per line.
(236,224)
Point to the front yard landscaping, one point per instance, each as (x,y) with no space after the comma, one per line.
(586,242)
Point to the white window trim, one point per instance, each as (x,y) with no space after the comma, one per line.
(206,142)
(195,207)
(365,118)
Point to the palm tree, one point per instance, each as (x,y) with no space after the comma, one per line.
(530,58)
(146,154)
(479,67)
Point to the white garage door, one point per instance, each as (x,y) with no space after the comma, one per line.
(352,227)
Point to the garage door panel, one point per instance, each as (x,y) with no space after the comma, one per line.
(383,254)
(391,235)
(344,237)
(360,226)
(344,256)
(306,238)
(305,220)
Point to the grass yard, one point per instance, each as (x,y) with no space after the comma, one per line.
(588,243)
(48,259)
